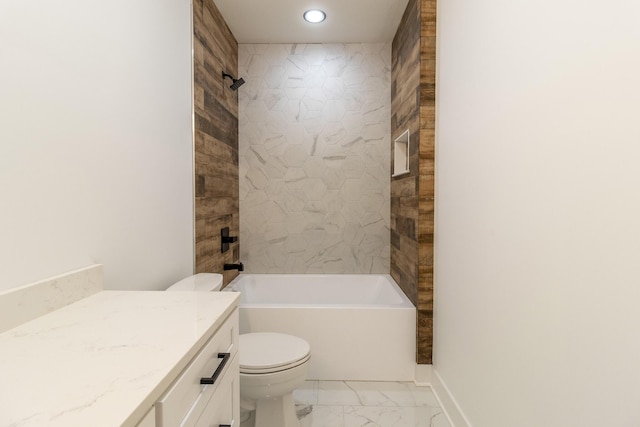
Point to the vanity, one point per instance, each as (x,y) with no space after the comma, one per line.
(125,359)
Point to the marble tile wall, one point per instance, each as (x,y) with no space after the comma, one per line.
(412,195)
(215,50)
(314,165)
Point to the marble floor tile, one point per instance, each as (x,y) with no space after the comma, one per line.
(324,416)
(366,403)
(307,393)
(337,393)
(440,420)
(375,393)
(356,416)
(423,396)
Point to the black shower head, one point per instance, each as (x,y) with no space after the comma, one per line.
(236,82)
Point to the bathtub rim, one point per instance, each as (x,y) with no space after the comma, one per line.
(405,304)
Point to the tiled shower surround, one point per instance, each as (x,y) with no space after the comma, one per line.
(412,195)
(314,160)
(216,139)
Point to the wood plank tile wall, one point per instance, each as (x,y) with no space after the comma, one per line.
(412,195)
(216,139)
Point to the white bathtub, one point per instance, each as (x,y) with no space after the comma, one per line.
(360,327)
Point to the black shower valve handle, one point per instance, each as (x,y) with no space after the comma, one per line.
(229,239)
(225,239)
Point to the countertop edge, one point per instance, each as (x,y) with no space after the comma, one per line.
(147,404)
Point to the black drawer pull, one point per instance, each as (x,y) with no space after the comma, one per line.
(224,425)
(225,357)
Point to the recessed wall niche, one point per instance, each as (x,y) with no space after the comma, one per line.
(401,154)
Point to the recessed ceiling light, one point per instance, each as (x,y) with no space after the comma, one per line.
(314,16)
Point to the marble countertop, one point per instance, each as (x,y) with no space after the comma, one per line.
(104,360)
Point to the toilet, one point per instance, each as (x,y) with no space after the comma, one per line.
(272,365)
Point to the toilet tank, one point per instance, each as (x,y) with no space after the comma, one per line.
(204,282)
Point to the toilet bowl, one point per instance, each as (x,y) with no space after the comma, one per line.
(272,365)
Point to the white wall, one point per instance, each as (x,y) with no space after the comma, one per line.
(95,140)
(538,211)
(314,154)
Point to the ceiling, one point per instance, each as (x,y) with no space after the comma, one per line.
(280,21)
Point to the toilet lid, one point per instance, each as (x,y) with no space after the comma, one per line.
(206,282)
(261,352)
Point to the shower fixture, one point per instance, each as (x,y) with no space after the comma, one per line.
(236,82)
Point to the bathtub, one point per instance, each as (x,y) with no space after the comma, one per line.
(360,327)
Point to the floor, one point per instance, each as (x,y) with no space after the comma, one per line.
(367,403)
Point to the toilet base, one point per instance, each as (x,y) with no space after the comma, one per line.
(277,412)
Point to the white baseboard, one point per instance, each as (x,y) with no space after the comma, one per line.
(448,402)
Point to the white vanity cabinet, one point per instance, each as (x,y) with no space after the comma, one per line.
(125,359)
(206,393)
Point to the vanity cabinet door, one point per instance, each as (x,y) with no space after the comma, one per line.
(224,407)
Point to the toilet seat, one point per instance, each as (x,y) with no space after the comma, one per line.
(268,352)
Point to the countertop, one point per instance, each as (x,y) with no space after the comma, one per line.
(104,360)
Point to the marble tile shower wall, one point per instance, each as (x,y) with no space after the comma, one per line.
(314,158)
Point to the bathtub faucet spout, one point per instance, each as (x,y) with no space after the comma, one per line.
(239,267)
